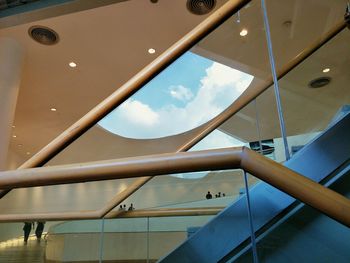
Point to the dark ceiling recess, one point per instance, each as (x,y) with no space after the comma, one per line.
(43,35)
(319,82)
(4,4)
(200,7)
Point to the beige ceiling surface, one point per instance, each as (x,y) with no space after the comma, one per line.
(109,44)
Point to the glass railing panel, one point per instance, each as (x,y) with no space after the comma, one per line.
(167,233)
(257,125)
(315,94)
(121,239)
(307,109)
(76,241)
(295,25)
(188,190)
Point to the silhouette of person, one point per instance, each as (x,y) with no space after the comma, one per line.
(121,208)
(124,207)
(131,207)
(209,196)
(223,194)
(39,230)
(219,194)
(27,228)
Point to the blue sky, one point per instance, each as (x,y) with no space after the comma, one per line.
(186,71)
(188,93)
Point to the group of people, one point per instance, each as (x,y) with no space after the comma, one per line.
(123,207)
(27,228)
(219,194)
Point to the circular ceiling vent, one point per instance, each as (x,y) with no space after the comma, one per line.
(43,35)
(200,7)
(319,82)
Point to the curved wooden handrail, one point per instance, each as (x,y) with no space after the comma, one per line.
(279,176)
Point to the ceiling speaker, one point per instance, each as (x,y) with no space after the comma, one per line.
(43,35)
(319,82)
(200,7)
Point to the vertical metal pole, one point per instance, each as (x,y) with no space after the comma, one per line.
(258,125)
(102,239)
(252,232)
(147,239)
(275,81)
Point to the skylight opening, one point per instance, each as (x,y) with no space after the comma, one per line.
(187,94)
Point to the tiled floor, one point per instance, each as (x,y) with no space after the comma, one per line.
(20,253)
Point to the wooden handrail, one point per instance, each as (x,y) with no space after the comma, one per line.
(86,215)
(279,176)
(248,96)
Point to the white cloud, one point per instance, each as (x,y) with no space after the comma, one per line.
(136,112)
(181,93)
(218,89)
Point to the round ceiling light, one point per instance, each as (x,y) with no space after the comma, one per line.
(200,7)
(43,35)
(243,33)
(319,82)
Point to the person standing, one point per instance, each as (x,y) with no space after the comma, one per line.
(131,207)
(209,196)
(39,230)
(27,228)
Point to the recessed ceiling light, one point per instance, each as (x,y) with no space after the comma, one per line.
(13,126)
(53,109)
(72,64)
(20,145)
(28,153)
(243,33)
(326,70)
(151,51)
(14,136)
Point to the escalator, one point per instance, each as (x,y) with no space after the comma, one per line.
(226,237)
